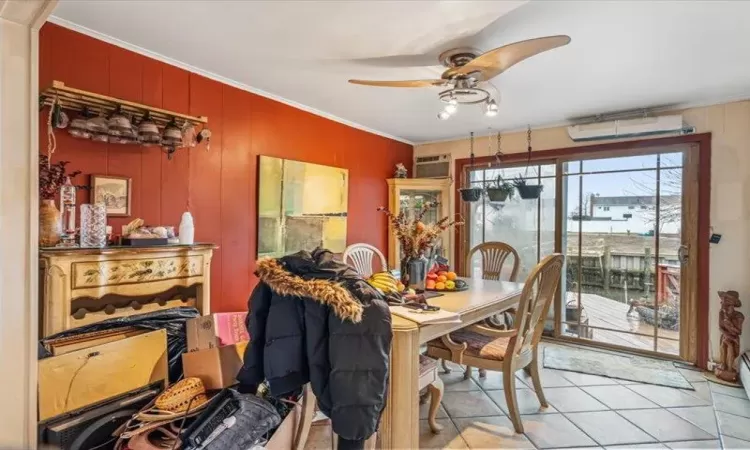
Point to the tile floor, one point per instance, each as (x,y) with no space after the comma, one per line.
(585,411)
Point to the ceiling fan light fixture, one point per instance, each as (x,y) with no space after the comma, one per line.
(491,109)
(444,115)
(451,108)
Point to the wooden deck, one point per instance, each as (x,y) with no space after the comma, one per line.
(607,313)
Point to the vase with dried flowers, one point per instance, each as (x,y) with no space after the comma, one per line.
(415,239)
(51,177)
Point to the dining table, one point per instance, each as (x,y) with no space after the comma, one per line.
(399,427)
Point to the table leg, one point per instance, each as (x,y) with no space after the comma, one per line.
(399,428)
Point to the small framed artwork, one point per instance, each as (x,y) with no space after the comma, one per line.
(114,192)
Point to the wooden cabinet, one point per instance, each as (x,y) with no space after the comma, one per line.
(408,194)
(84,285)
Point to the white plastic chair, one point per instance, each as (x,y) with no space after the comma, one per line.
(360,256)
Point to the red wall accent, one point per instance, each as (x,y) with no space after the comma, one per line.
(218,185)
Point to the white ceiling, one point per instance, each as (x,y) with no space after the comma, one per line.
(623,54)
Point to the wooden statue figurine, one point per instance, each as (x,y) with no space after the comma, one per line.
(730,324)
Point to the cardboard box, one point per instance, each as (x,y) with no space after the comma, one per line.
(216,367)
(87,376)
(216,330)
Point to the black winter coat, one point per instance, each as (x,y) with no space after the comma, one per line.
(314,319)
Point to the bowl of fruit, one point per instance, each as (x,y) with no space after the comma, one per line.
(444,281)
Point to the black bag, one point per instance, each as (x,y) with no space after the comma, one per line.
(173,320)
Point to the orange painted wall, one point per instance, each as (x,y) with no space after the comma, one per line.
(219,185)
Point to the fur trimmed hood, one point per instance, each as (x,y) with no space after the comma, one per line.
(325,291)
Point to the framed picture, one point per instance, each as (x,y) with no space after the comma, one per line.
(114,192)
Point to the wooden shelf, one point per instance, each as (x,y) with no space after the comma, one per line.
(76,100)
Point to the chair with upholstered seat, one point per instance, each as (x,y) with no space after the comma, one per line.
(513,349)
(494,255)
(360,256)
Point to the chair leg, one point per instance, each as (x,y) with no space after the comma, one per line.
(467,373)
(446,369)
(436,395)
(509,385)
(536,378)
(306,417)
(482,373)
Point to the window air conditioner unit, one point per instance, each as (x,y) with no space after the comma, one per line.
(618,129)
(437,166)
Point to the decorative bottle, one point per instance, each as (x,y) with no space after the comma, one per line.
(68,213)
(187,229)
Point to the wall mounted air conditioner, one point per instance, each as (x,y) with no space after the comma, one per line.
(436,166)
(618,129)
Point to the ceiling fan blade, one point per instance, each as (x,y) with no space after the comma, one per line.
(402,83)
(494,62)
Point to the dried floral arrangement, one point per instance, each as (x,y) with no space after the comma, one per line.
(414,236)
(52,176)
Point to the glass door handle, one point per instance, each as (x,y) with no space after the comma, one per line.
(682,254)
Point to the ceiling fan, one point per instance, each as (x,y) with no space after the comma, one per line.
(467,68)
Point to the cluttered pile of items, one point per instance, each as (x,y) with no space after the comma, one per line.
(172,378)
(160,380)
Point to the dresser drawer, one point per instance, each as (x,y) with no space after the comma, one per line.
(89,274)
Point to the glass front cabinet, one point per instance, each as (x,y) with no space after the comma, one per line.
(408,195)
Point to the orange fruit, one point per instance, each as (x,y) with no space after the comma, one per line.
(443,272)
(450,285)
(442,278)
(420,227)
(452,276)
(439,286)
(430,284)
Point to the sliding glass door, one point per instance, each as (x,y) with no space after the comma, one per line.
(621,235)
(624,224)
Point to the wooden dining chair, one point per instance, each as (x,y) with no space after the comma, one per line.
(513,349)
(494,255)
(360,256)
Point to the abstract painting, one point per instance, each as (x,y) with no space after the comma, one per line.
(114,192)
(300,206)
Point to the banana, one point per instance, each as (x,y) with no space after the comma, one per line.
(383,281)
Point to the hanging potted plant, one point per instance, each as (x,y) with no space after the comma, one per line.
(500,190)
(526,190)
(471,194)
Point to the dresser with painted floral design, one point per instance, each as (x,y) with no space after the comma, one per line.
(80,286)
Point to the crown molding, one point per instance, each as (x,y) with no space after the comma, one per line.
(216,77)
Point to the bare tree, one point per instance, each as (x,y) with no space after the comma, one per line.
(670,197)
